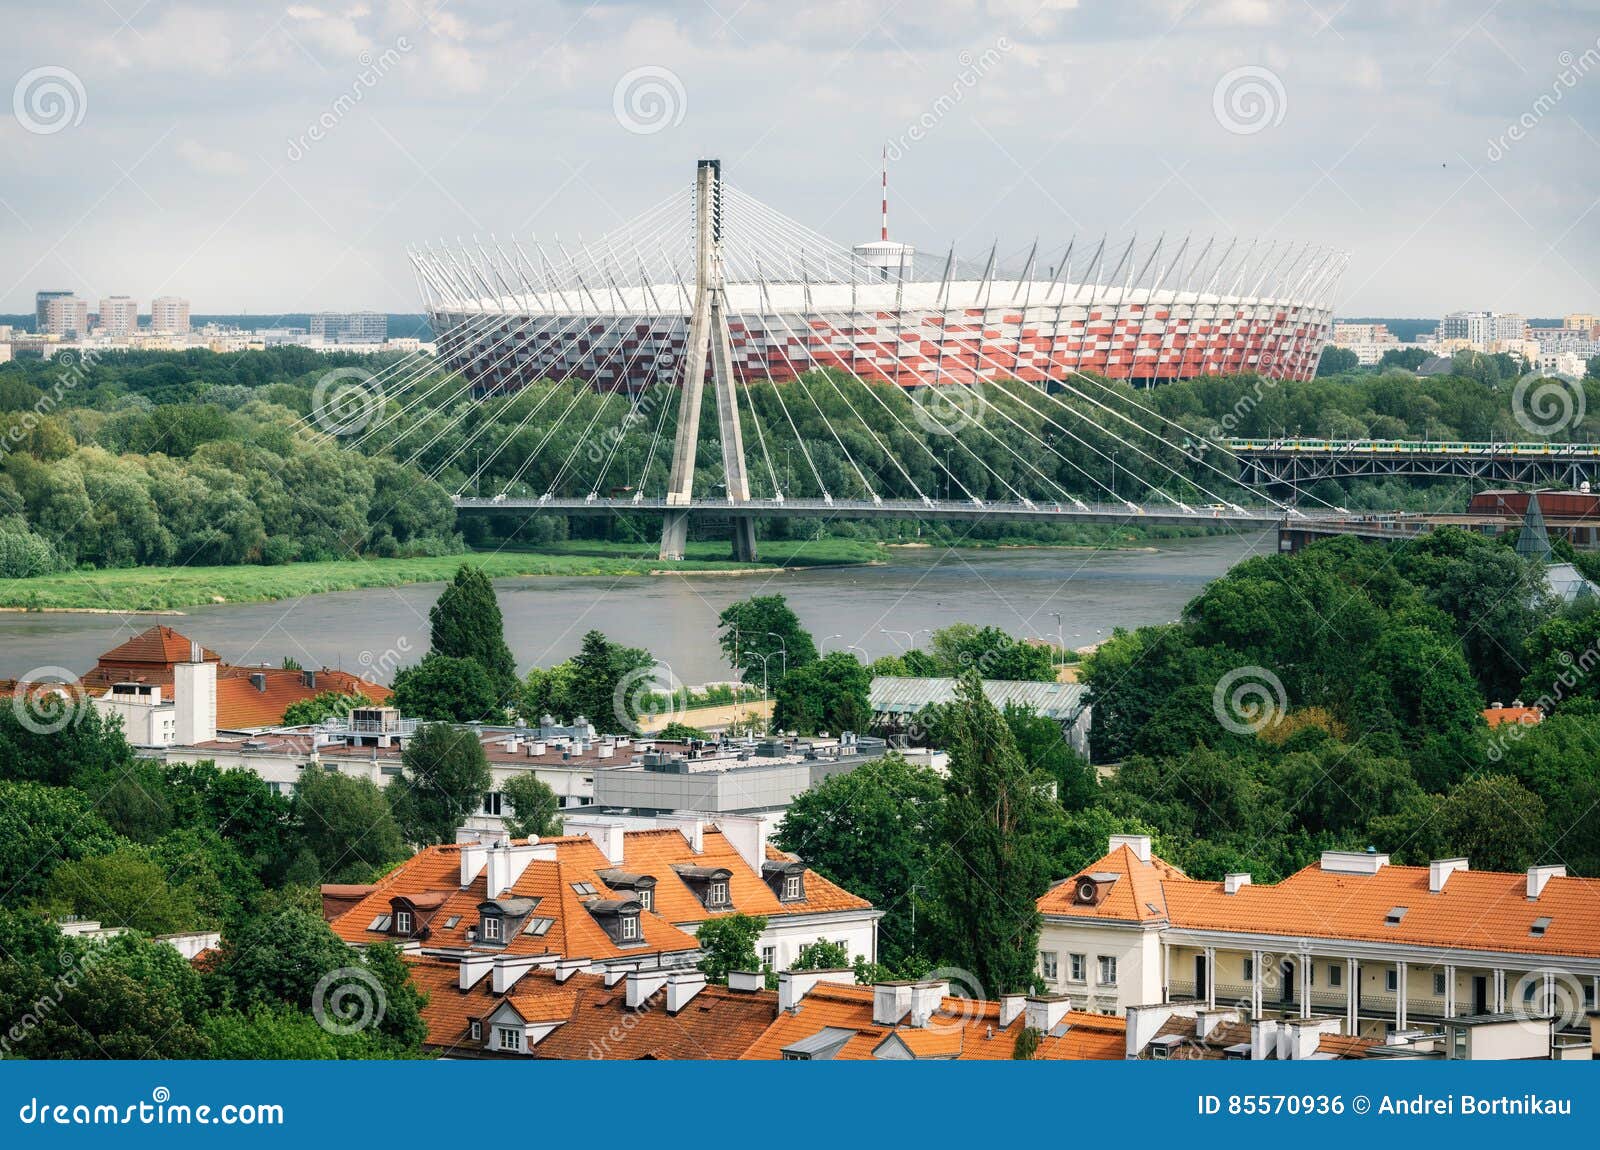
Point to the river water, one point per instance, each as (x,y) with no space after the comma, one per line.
(877,609)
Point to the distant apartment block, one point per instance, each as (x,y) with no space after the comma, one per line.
(61,313)
(1483,330)
(350,327)
(169,313)
(119,316)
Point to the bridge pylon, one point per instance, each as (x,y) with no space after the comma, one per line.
(709,339)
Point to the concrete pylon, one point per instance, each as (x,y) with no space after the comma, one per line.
(709,340)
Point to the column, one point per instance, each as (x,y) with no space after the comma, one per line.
(1255,984)
(1166,971)
(1211,976)
(1549,1006)
(1400,996)
(1305,985)
(1499,991)
(1352,982)
(1449,991)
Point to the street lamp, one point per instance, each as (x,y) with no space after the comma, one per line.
(822,648)
(1061,642)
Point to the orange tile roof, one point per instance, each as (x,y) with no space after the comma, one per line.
(1527,716)
(1136,895)
(962,1028)
(595,1020)
(1345,1045)
(1476,910)
(149,657)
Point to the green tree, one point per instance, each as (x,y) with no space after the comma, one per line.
(322,705)
(993,865)
(754,631)
(993,654)
(346,825)
(1493,820)
(123,888)
(40,828)
(1044,749)
(728,943)
(596,690)
(1026,1046)
(1337,361)
(445,689)
(822,955)
(280,958)
(827,694)
(873,831)
(467,625)
(446,774)
(534,807)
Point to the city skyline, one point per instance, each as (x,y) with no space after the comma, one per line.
(275,162)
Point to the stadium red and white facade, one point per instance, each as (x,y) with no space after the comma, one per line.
(616,314)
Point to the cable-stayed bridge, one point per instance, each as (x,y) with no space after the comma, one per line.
(846,383)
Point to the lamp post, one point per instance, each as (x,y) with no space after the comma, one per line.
(1061,642)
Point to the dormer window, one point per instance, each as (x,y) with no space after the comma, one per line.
(402,922)
(510,1038)
(647,898)
(793,888)
(629,924)
(717,893)
(491,928)
(476,1030)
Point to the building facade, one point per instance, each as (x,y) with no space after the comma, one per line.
(1382,948)
(350,327)
(118,316)
(169,313)
(61,313)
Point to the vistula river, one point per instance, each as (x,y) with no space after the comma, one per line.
(877,610)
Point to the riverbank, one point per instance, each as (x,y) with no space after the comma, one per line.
(170,589)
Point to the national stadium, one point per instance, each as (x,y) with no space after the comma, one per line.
(615,313)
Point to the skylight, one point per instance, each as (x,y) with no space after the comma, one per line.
(379,923)
(1394,916)
(1540,925)
(584,887)
(450,922)
(538,927)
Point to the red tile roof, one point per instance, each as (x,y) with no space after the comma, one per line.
(1476,910)
(961,1028)
(595,1021)
(1527,716)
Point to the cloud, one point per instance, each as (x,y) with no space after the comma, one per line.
(210,161)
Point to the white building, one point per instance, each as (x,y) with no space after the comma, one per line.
(119,316)
(169,313)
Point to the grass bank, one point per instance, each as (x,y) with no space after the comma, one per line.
(174,588)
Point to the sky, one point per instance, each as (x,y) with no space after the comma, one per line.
(268,159)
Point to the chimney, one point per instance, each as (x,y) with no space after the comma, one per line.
(1206,1020)
(509,968)
(506,863)
(890,1002)
(1231,883)
(746,835)
(643,983)
(608,836)
(612,975)
(473,856)
(794,985)
(258,680)
(1010,1009)
(746,981)
(1044,1011)
(682,986)
(512,743)
(692,826)
(194,698)
(1539,875)
(1264,1039)
(926,998)
(567,967)
(1138,844)
(1353,862)
(473,968)
(537,747)
(1440,870)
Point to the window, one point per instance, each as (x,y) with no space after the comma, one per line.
(492,802)
(1438,985)
(1588,995)
(402,922)
(450,923)
(769,957)
(1530,987)
(510,1038)
(630,927)
(1048,965)
(491,927)
(1249,970)
(1075,967)
(476,1030)
(1108,971)
(1335,974)
(647,898)
(791,887)
(1391,980)
(717,893)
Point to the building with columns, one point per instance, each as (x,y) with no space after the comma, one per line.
(1384,948)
